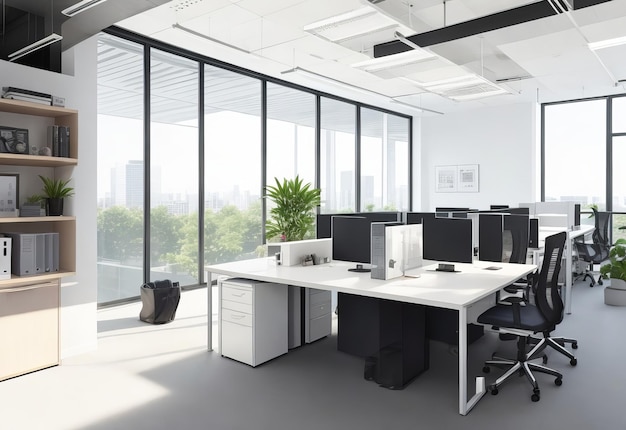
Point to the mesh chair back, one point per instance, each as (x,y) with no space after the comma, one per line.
(518,228)
(547,293)
(600,235)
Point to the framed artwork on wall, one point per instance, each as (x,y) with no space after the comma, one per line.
(446,179)
(468,178)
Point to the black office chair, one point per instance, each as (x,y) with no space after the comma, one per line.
(598,251)
(524,321)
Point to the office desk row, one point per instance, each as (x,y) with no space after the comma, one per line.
(468,291)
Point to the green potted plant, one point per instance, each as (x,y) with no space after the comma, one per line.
(293,214)
(615,269)
(34,206)
(54,191)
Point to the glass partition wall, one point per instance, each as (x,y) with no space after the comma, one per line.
(186,146)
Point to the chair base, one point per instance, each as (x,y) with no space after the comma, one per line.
(524,366)
(556,343)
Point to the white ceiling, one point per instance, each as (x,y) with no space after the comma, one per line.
(542,60)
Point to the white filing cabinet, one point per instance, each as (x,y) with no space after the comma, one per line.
(253,320)
(317,314)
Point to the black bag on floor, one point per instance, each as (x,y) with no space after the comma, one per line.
(160,301)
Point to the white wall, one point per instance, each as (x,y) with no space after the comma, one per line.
(501,140)
(78,293)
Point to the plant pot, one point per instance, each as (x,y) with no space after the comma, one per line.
(618,284)
(54,206)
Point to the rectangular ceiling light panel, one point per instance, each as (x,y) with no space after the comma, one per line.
(81,7)
(41,43)
(461,88)
(351,25)
(395,60)
(608,43)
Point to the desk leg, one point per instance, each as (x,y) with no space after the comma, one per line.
(464,405)
(209,284)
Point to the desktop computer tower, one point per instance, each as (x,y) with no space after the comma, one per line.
(5,257)
(533,236)
(403,350)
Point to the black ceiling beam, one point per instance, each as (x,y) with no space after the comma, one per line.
(507,18)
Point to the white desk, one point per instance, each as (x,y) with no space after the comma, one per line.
(458,291)
(576,232)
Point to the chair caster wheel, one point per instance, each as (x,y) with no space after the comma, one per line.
(573,362)
(535,397)
(486,369)
(558,382)
(591,285)
(600,282)
(494,391)
(575,345)
(544,359)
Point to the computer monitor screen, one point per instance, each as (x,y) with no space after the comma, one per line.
(448,239)
(351,239)
(418,217)
(496,207)
(324,221)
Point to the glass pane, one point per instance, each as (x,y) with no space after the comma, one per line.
(572,131)
(398,159)
(337,158)
(619,187)
(232,218)
(384,162)
(173,168)
(290,136)
(120,168)
(619,115)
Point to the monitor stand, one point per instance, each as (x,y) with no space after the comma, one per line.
(360,269)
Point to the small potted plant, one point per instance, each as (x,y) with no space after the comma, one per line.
(54,191)
(34,205)
(615,269)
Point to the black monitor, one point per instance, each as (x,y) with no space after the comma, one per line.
(324,224)
(448,239)
(352,239)
(496,207)
(417,217)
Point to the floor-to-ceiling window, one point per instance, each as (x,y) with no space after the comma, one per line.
(232,166)
(290,135)
(337,156)
(180,133)
(174,140)
(384,161)
(584,143)
(120,168)
(618,173)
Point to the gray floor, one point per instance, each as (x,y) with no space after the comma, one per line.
(161,377)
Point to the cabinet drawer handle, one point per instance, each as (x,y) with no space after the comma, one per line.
(238,294)
(238,317)
(27,288)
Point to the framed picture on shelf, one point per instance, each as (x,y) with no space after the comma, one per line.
(9,194)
